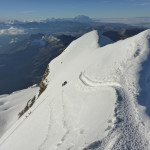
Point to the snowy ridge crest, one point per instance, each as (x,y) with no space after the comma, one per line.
(97,97)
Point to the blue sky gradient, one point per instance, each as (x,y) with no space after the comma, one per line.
(42,9)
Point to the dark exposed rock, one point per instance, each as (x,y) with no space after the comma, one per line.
(43,86)
(29,105)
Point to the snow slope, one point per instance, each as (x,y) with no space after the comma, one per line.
(11,105)
(102,105)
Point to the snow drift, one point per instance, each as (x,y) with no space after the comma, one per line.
(96,98)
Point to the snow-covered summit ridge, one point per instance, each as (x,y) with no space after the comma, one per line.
(98,107)
(88,46)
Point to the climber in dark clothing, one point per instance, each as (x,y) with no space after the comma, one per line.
(64,83)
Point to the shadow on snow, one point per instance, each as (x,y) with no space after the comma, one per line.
(144,83)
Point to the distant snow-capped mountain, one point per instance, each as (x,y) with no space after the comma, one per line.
(95,95)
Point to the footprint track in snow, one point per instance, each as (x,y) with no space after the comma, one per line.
(91,83)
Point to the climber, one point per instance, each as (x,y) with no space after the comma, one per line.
(64,83)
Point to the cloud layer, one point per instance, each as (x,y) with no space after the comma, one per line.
(12,31)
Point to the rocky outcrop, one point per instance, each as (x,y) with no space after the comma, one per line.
(29,105)
(42,84)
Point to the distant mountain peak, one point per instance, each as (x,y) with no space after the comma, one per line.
(83,18)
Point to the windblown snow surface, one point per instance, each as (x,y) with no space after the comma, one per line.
(104,105)
(12,104)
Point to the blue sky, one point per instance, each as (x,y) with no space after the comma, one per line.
(42,9)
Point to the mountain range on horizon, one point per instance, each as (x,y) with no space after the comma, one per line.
(86,19)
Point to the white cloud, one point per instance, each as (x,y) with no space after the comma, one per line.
(12,31)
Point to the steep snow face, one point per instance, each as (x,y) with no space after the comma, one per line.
(92,99)
(11,105)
